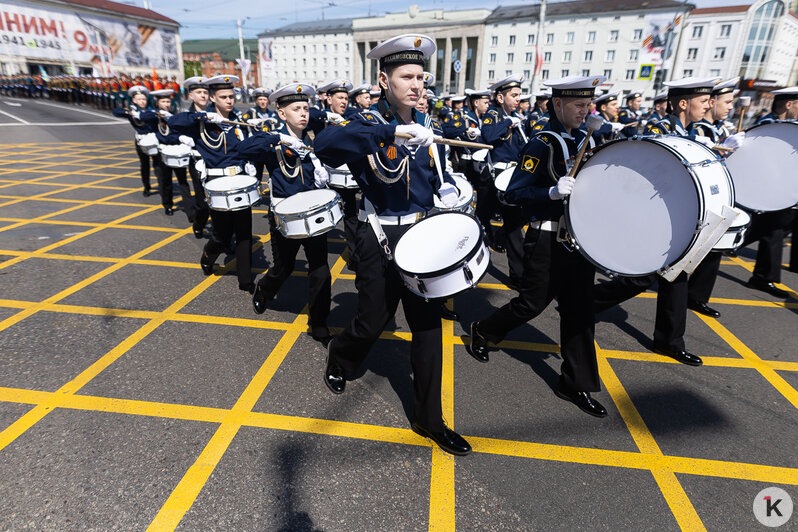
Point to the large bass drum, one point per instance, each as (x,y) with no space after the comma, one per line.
(764,167)
(638,204)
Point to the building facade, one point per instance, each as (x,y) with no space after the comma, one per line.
(211,57)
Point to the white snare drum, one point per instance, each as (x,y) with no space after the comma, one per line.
(341,177)
(638,204)
(309,213)
(175,155)
(763,168)
(232,193)
(442,255)
(733,238)
(466,203)
(148,143)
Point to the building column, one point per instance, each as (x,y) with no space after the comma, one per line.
(367,62)
(447,66)
(461,76)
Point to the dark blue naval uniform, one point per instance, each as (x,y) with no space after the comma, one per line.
(604,134)
(550,269)
(397,181)
(531,119)
(281,162)
(201,212)
(142,128)
(627,116)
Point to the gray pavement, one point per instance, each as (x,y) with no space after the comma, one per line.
(136,392)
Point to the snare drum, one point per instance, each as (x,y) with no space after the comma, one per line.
(232,193)
(734,236)
(638,204)
(175,155)
(309,213)
(148,143)
(442,255)
(763,168)
(341,177)
(466,203)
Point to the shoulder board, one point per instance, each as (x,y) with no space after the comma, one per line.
(435,126)
(447,119)
(621,113)
(369,117)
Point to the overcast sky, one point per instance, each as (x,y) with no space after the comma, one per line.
(208,19)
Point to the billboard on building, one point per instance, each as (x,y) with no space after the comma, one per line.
(73,37)
(662,29)
(265,60)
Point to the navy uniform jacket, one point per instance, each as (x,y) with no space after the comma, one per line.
(532,119)
(540,164)
(191,124)
(507,142)
(369,133)
(767,119)
(165,134)
(603,134)
(654,117)
(141,127)
(705,128)
(255,112)
(627,116)
(670,125)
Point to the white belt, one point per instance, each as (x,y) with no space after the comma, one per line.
(544,225)
(465,156)
(219,172)
(406,219)
(504,166)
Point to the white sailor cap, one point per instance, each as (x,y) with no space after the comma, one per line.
(429,78)
(785,94)
(196,82)
(138,89)
(294,92)
(261,91)
(542,95)
(430,94)
(607,98)
(222,82)
(725,87)
(514,80)
(375,94)
(691,85)
(458,98)
(478,95)
(405,49)
(575,86)
(162,93)
(360,89)
(338,85)
(661,97)
(634,94)
(525,97)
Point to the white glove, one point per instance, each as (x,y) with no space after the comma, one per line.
(516,121)
(321,177)
(135,114)
(706,141)
(473,132)
(728,125)
(335,118)
(448,194)
(421,136)
(616,126)
(214,118)
(249,168)
(734,141)
(292,142)
(188,141)
(564,187)
(255,121)
(165,114)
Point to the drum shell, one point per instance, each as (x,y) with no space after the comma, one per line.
(175,155)
(148,143)
(341,177)
(233,199)
(466,202)
(314,222)
(733,238)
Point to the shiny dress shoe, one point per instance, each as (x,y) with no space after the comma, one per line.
(498,248)
(259,299)
(334,377)
(703,308)
(206,264)
(449,314)
(478,348)
(758,283)
(247,287)
(198,233)
(681,355)
(448,440)
(169,211)
(583,401)
(146,193)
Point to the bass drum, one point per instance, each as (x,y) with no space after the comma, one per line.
(638,204)
(763,169)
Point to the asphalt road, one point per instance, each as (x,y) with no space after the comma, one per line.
(135,393)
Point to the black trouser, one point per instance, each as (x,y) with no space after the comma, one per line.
(702,280)
(552,271)
(284,252)
(671,320)
(349,197)
(768,229)
(201,206)
(164,174)
(487,204)
(379,290)
(513,235)
(225,224)
(258,170)
(144,161)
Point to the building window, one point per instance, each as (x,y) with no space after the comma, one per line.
(614,36)
(492,58)
(697,31)
(725,30)
(585,72)
(549,38)
(715,73)
(588,55)
(608,73)
(638,34)
(304,49)
(569,37)
(547,57)
(491,75)
(692,53)
(687,72)
(720,52)
(566,57)
(510,57)
(591,37)
(630,74)
(530,39)
(610,56)
(544,74)
(564,73)
(494,40)
(508,72)
(346,47)
(528,57)
(512,40)
(526,74)
(633,55)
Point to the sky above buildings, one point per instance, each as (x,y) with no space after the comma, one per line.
(206,20)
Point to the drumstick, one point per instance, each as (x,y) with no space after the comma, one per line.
(745,101)
(718,147)
(449,142)
(593,122)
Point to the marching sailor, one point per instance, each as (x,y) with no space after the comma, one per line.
(398,178)
(607,109)
(260,118)
(197,91)
(359,98)
(659,108)
(138,95)
(630,114)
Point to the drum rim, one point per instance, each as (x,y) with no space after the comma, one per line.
(772,123)
(696,232)
(230,191)
(292,217)
(454,267)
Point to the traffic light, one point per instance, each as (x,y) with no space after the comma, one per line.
(659,77)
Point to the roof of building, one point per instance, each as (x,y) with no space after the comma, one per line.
(123,9)
(228,48)
(720,9)
(580,7)
(333,25)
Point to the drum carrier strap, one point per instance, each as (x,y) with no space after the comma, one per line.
(374,221)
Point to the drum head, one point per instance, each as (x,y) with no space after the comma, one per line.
(230,182)
(305,201)
(437,242)
(634,208)
(763,169)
